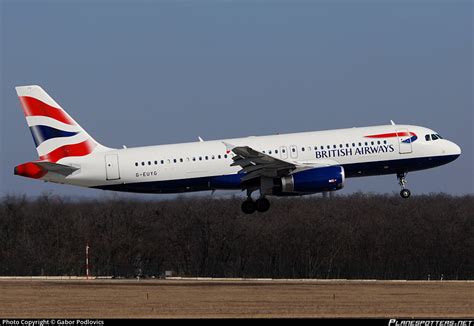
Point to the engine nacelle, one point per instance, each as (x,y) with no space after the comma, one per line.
(311,181)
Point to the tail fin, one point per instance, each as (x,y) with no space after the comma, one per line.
(55,133)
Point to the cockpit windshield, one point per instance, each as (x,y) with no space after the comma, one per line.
(433,137)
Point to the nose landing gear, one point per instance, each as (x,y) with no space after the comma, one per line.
(404,193)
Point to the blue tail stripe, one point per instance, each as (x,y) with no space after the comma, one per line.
(43,133)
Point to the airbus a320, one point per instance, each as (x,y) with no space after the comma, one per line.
(277,165)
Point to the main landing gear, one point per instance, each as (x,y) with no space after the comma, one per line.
(402,181)
(249,206)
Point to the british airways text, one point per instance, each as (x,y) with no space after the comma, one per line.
(340,152)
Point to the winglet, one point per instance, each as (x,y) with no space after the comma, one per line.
(228,147)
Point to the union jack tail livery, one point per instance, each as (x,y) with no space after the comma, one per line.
(55,133)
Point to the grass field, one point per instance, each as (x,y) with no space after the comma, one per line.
(181,298)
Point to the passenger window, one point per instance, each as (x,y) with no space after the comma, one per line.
(293,150)
(136,163)
(143,163)
(174,160)
(385,142)
(213,157)
(219,157)
(340,145)
(427,137)
(156,162)
(225,155)
(378,142)
(200,158)
(181,160)
(269,152)
(329,147)
(353,144)
(360,144)
(276,151)
(302,149)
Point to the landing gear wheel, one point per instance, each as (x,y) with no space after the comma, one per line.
(405,193)
(248,206)
(262,204)
(402,181)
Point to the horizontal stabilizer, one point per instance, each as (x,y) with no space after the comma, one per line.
(37,170)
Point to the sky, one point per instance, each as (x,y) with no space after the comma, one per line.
(156,72)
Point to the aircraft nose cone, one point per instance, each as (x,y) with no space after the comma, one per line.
(457,149)
(454,149)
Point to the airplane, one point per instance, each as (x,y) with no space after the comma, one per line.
(278,165)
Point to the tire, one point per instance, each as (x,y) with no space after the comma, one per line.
(405,193)
(262,205)
(248,206)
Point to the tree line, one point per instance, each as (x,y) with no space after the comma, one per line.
(353,237)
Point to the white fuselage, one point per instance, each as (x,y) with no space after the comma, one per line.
(191,166)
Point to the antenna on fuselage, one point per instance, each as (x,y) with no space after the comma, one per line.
(393,123)
(200,139)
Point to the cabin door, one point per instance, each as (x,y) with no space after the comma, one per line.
(404,141)
(112,167)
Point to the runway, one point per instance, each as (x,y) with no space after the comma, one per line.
(208,298)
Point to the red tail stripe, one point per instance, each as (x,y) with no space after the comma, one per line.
(392,134)
(34,107)
(79,149)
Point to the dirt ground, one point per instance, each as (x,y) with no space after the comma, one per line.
(183,299)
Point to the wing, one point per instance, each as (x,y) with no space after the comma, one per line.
(257,164)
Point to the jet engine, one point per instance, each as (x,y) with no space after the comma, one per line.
(310,181)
